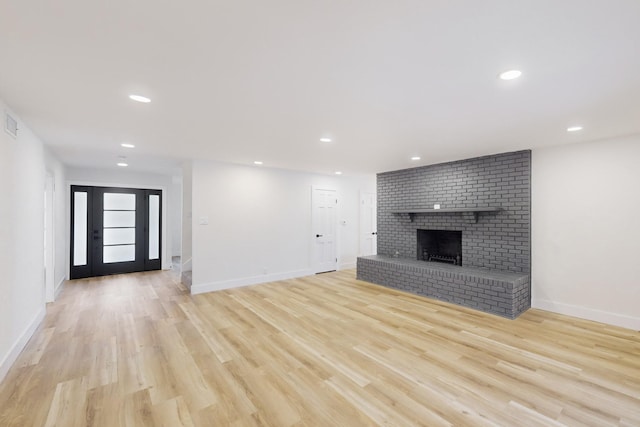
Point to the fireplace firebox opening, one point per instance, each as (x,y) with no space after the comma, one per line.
(440,246)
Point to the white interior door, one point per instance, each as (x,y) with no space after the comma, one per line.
(368,224)
(324,217)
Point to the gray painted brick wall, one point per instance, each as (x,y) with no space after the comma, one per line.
(498,241)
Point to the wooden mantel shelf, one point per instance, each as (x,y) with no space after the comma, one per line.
(475,211)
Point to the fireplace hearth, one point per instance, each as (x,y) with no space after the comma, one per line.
(440,246)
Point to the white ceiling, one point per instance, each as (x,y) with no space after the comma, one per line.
(242,80)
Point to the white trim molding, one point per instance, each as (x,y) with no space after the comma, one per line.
(587,313)
(247,281)
(20,343)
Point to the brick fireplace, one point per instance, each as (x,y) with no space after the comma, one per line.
(486,201)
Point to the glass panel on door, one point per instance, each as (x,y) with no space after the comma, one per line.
(119,218)
(119,202)
(118,253)
(119,236)
(80,228)
(119,228)
(154,226)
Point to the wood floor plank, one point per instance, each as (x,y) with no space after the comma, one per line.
(40,344)
(172,413)
(138,350)
(68,406)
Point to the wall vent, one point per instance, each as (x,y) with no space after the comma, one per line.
(11,125)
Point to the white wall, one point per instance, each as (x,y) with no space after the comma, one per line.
(259,223)
(22,297)
(187,209)
(124,178)
(175,215)
(586,230)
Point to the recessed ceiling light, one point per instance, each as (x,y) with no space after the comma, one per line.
(140,98)
(257,162)
(325,139)
(510,75)
(338,173)
(415,158)
(574,128)
(125,145)
(123,164)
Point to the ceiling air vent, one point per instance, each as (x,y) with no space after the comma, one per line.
(11,125)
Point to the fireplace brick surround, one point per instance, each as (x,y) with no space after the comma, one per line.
(497,245)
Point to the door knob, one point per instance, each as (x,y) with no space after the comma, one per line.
(318,235)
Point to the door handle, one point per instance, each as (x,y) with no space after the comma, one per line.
(318,235)
(374,233)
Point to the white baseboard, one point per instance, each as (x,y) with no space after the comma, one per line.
(587,313)
(247,281)
(58,288)
(20,343)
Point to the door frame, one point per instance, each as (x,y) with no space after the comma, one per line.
(165,263)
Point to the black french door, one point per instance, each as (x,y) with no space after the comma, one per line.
(114,230)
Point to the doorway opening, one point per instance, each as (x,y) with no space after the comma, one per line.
(114,230)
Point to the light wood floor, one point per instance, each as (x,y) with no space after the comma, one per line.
(328,350)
